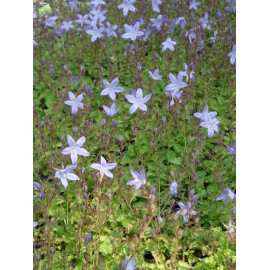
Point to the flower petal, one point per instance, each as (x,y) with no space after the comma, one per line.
(81,141)
(83,152)
(72,176)
(64,182)
(71,141)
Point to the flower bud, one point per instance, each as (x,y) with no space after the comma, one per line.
(75,129)
(37,186)
(159,220)
(41,196)
(218,15)
(58,185)
(164,120)
(82,69)
(103,122)
(87,238)
(152,190)
(194,198)
(89,91)
(51,69)
(114,123)
(41,124)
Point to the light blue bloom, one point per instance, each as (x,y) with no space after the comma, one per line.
(75,102)
(232,54)
(75,149)
(111,88)
(155,76)
(132,32)
(110,111)
(138,101)
(127,6)
(103,167)
(193,4)
(173,189)
(95,33)
(65,174)
(155,5)
(227,193)
(231,149)
(168,44)
(139,179)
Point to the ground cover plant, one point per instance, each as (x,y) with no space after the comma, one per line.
(134,134)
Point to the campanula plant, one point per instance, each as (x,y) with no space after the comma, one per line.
(134,111)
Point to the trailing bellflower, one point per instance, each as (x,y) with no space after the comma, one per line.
(67,25)
(157,23)
(231,149)
(155,5)
(132,32)
(111,88)
(75,149)
(212,126)
(110,111)
(232,54)
(128,265)
(186,211)
(205,114)
(227,193)
(176,83)
(193,4)
(103,167)
(50,21)
(154,75)
(138,101)
(127,6)
(82,20)
(65,174)
(173,189)
(95,33)
(139,179)
(110,30)
(75,102)
(204,21)
(168,44)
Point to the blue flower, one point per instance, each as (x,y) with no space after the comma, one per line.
(75,102)
(127,6)
(155,76)
(138,101)
(95,33)
(111,88)
(227,193)
(173,189)
(65,174)
(132,32)
(168,44)
(231,149)
(139,179)
(232,54)
(75,149)
(103,167)
(50,21)
(193,4)
(110,111)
